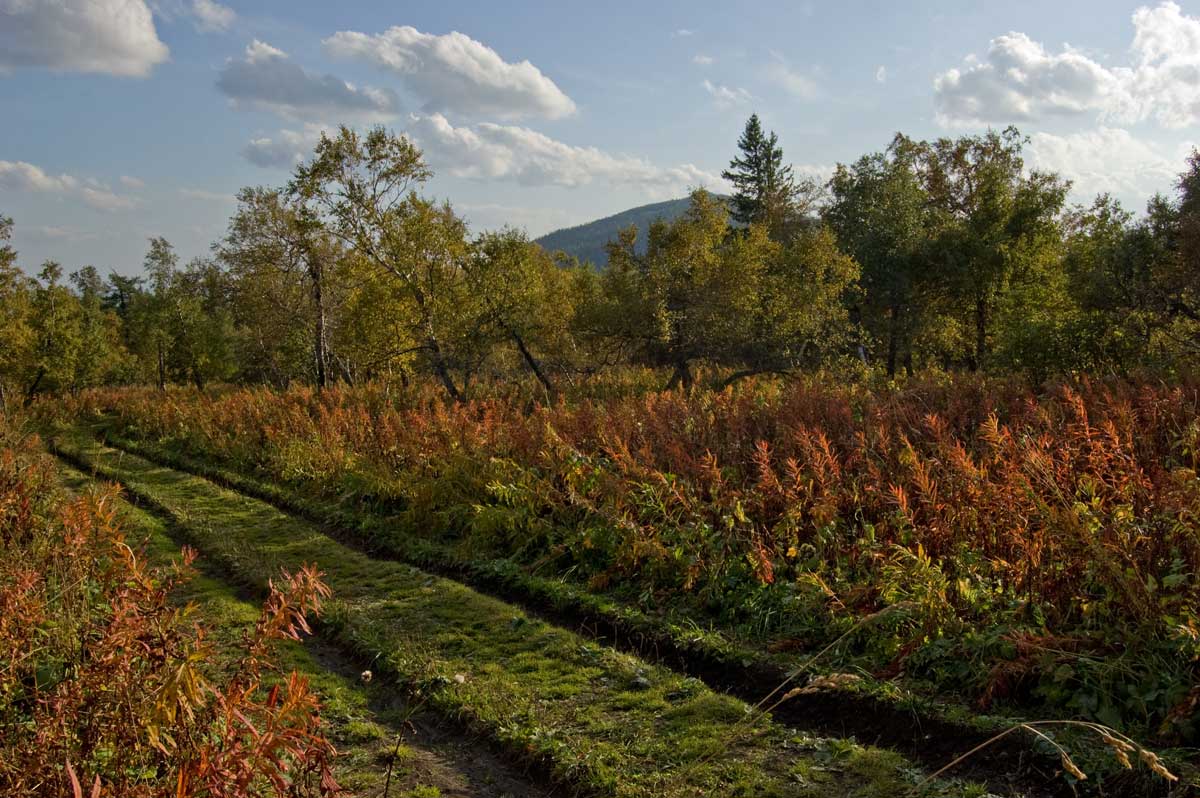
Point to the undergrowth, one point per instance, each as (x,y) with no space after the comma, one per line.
(102,685)
(1046,541)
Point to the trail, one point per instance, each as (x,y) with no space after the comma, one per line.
(591,719)
(375,728)
(930,738)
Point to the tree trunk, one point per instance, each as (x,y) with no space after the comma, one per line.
(316,273)
(435,350)
(744,373)
(441,370)
(893,339)
(533,364)
(981,321)
(682,377)
(345,373)
(162,368)
(33,386)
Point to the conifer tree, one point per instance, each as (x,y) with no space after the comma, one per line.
(765,190)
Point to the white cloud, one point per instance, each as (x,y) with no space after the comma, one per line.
(703,60)
(115,37)
(725,97)
(1106,160)
(58,234)
(207,196)
(881,75)
(455,73)
(682,33)
(1020,80)
(266,79)
(212,17)
(22,176)
(791,80)
(261,52)
(1165,82)
(819,173)
(283,150)
(488,151)
(132,182)
(536,221)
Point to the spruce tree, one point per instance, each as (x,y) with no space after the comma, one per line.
(764,189)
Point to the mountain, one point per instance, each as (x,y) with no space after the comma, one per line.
(587,241)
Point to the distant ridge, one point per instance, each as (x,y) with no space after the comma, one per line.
(586,241)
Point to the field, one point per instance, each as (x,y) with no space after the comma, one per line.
(326,470)
(596,586)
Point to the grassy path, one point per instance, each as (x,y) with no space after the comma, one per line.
(928,732)
(601,721)
(373,728)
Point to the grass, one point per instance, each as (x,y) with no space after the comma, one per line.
(601,721)
(367,725)
(927,727)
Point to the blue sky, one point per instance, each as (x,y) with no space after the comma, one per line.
(131,118)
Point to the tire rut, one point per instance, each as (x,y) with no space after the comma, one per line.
(1009,766)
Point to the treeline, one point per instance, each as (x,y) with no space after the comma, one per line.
(947,254)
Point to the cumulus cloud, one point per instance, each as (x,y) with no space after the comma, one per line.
(489,151)
(132,182)
(682,33)
(881,75)
(22,176)
(700,59)
(725,97)
(266,79)
(455,73)
(1106,160)
(212,17)
(1020,80)
(283,150)
(115,37)
(1165,82)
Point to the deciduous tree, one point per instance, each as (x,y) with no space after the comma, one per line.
(364,189)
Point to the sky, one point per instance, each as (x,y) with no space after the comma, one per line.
(126,119)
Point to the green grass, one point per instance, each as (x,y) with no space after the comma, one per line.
(929,726)
(602,721)
(361,721)
(909,707)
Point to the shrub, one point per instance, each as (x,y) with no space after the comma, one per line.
(103,688)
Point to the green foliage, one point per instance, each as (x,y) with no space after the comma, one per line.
(881,215)
(588,243)
(57,340)
(16,295)
(995,224)
(765,190)
(705,292)
(938,255)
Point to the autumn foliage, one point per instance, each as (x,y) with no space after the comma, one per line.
(1043,543)
(105,684)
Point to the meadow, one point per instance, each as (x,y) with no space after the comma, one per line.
(884,485)
(1012,550)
